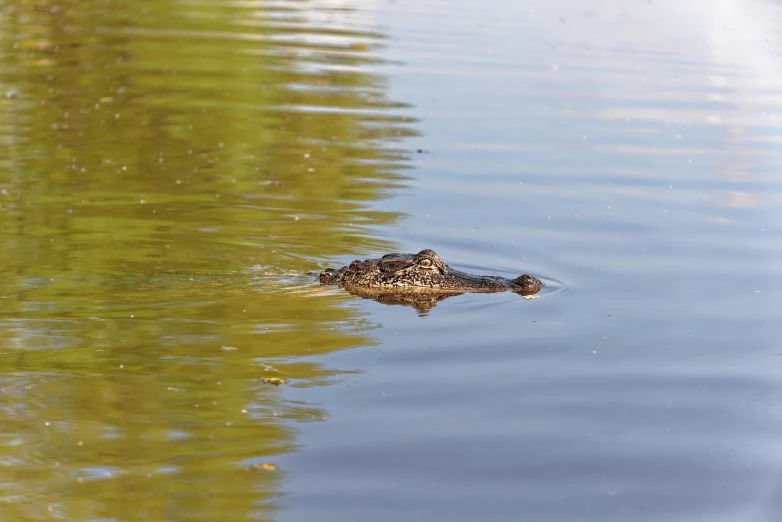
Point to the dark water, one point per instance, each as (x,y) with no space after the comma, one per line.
(171,171)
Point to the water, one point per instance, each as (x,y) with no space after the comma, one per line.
(172,170)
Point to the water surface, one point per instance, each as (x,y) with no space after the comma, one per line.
(172,171)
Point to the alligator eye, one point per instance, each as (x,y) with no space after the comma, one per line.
(426,263)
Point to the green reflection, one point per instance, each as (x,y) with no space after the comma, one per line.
(171,171)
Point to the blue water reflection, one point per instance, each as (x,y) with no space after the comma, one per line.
(632,151)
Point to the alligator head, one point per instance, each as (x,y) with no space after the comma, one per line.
(399,277)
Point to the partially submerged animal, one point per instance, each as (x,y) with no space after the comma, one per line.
(419,273)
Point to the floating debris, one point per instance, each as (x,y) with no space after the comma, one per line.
(528,297)
(264,466)
(273,380)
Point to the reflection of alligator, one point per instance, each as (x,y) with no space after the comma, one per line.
(419,279)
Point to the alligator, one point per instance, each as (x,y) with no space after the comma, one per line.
(403,278)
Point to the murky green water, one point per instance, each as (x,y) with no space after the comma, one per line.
(172,170)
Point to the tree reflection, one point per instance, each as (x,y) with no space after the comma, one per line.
(169,170)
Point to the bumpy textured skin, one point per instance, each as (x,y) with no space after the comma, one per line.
(421,272)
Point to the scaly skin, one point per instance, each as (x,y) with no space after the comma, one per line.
(420,272)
